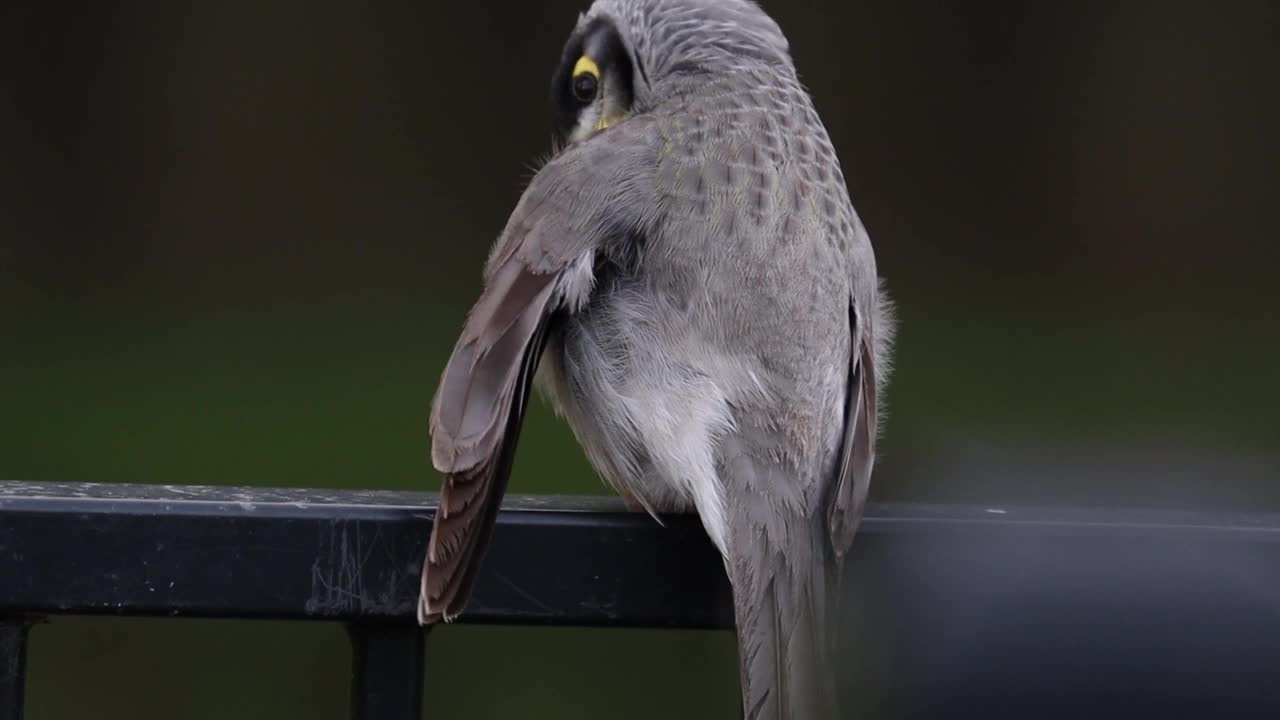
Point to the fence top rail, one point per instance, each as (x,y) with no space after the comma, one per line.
(353,555)
(25,496)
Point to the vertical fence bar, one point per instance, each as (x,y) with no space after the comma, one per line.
(387,663)
(13,666)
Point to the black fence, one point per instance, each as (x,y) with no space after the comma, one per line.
(956,612)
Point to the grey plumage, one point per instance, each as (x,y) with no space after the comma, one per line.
(705,305)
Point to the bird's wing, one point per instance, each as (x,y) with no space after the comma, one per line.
(592,194)
(848,497)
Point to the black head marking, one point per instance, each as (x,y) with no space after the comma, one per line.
(600,41)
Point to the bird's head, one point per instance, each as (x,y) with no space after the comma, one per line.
(625,57)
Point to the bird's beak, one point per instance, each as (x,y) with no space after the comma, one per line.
(607,121)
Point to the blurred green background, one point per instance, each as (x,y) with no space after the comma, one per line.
(237,241)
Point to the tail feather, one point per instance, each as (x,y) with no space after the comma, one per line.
(785,640)
(785,577)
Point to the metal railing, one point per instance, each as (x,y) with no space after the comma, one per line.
(982,612)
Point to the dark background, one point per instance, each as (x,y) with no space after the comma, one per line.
(237,241)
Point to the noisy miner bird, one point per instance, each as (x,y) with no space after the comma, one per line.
(691,285)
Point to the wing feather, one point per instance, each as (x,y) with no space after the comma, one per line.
(848,498)
(589,195)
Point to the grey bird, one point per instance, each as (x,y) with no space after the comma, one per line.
(688,281)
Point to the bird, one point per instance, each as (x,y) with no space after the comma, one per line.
(687,282)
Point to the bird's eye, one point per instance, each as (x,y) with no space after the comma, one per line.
(585,87)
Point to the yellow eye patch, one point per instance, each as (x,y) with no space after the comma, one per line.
(586,66)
